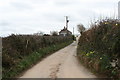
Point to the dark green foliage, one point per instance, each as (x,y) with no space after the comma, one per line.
(24,50)
(102,40)
(74,38)
(54,33)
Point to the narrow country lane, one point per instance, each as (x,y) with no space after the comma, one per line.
(61,64)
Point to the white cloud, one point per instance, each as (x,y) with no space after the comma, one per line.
(29,16)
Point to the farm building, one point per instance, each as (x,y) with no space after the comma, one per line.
(65,32)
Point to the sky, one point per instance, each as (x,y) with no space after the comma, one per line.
(32,16)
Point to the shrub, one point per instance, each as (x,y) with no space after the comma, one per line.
(102,43)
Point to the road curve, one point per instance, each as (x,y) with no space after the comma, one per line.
(61,64)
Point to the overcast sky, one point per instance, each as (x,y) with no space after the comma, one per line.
(31,16)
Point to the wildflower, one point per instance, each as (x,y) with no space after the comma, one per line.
(87,54)
(100,57)
(106,23)
(91,52)
(116,24)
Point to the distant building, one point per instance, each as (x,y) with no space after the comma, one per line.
(65,32)
(119,10)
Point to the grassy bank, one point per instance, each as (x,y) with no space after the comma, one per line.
(20,52)
(99,48)
(33,58)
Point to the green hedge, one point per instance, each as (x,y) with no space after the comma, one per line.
(99,45)
(22,51)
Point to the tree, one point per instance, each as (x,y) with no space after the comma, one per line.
(80,28)
(54,33)
(40,33)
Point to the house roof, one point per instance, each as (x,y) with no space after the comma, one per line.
(65,30)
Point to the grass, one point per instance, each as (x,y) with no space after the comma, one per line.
(32,59)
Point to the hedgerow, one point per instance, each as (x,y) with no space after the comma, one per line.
(21,51)
(99,47)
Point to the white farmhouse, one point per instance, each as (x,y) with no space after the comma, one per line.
(65,32)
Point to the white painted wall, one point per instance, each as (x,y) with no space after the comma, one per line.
(64,34)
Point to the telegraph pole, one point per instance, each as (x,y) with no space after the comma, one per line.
(119,10)
(73,30)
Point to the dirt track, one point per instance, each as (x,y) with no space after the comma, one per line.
(61,64)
